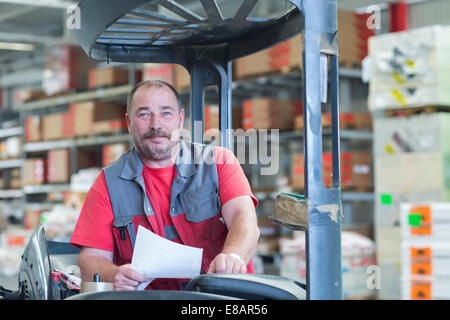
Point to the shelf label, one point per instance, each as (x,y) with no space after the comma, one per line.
(421,214)
(420,290)
(421,261)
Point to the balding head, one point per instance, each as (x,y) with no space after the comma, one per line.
(148,85)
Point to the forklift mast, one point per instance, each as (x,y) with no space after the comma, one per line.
(133,31)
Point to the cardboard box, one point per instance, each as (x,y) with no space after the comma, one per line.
(355,170)
(387,204)
(425,288)
(158,71)
(347,120)
(52,126)
(75,200)
(34,171)
(33,128)
(410,69)
(106,77)
(25,95)
(58,166)
(181,77)
(417,133)
(284,56)
(425,221)
(13,147)
(353,35)
(265,113)
(112,152)
(412,172)
(86,114)
(32,219)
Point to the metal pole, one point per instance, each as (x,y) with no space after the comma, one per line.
(323,235)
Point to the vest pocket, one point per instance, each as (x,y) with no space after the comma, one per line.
(123,239)
(200,204)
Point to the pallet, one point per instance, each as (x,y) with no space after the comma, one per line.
(349,65)
(407,112)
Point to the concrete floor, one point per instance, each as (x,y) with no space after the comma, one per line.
(10,283)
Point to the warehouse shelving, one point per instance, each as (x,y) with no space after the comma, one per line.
(45,188)
(76,142)
(11,163)
(11,193)
(9,132)
(100,93)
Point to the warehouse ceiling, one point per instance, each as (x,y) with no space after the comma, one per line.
(43,22)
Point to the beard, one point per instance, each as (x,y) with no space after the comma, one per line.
(155,151)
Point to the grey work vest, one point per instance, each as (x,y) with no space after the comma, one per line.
(194,201)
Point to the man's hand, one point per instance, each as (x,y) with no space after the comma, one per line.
(227,263)
(127,278)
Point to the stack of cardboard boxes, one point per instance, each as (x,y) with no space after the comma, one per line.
(287,56)
(410,69)
(82,119)
(356,171)
(266,113)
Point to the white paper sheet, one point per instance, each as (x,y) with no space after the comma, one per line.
(156,257)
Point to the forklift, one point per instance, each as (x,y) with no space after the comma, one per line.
(133,31)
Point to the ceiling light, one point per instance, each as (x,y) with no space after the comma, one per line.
(16,46)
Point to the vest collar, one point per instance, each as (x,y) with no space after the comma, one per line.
(184,163)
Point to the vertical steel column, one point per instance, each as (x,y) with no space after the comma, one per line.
(208,71)
(198,84)
(323,235)
(225,107)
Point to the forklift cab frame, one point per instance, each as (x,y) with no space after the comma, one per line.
(128,32)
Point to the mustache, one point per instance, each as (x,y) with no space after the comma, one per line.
(156,133)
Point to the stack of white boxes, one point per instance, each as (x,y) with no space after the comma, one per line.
(411,154)
(358,254)
(410,68)
(425,251)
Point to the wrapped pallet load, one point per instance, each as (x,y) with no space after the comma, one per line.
(358,255)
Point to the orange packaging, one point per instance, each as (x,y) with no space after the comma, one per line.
(425,225)
(421,290)
(421,261)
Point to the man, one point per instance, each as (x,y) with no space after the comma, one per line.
(165,185)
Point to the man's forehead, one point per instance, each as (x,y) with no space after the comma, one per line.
(155,96)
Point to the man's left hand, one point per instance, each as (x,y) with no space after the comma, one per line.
(227,263)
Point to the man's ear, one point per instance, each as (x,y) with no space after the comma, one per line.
(127,118)
(181,118)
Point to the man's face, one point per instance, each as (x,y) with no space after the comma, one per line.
(154,121)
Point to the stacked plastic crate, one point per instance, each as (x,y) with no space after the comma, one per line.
(409,72)
(425,251)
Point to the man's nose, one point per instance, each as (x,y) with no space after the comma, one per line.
(155,122)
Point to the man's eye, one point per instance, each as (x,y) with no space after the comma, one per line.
(144,114)
(167,114)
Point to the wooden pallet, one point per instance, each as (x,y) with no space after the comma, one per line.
(349,65)
(407,112)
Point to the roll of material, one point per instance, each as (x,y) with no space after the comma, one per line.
(96,286)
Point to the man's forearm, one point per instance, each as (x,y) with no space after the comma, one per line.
(242,237)
(91,264)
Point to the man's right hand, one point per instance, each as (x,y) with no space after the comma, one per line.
(127,278)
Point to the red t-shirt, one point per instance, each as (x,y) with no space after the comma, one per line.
(95,223)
